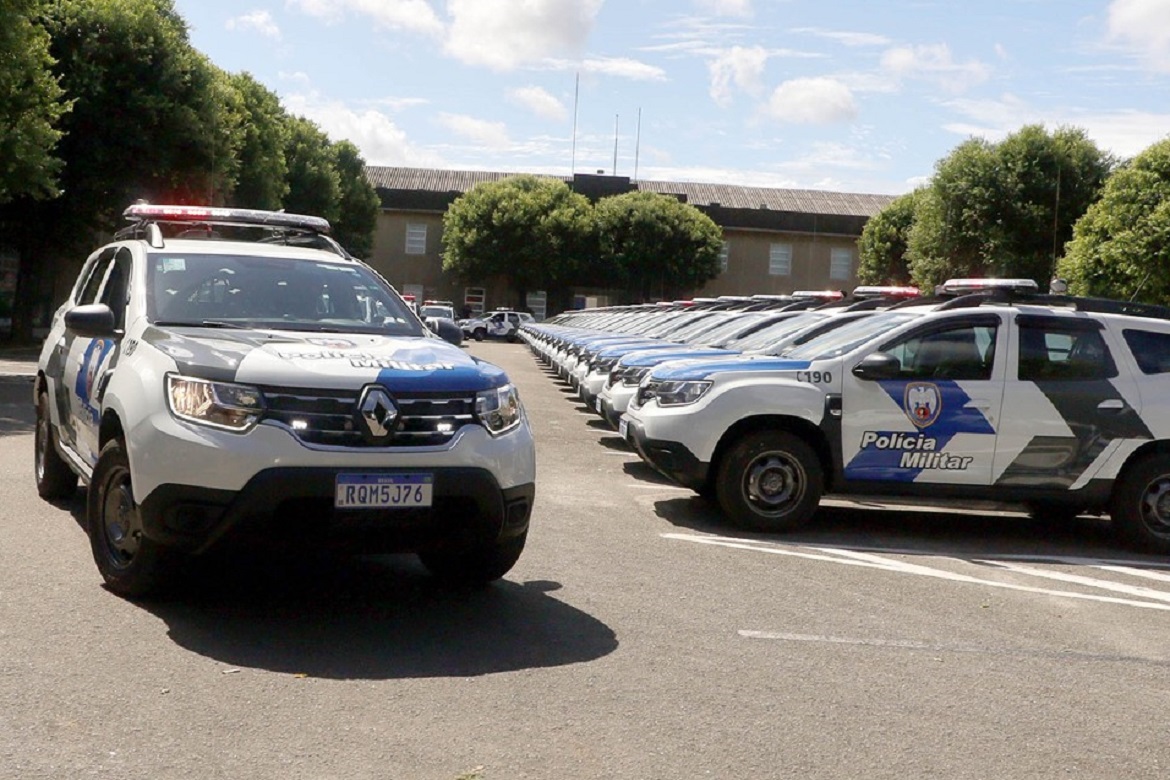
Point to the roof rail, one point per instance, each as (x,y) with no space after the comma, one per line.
(1076,303)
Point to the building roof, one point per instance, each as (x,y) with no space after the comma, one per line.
(724,196)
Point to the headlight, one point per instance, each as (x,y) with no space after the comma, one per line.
(499,409)
(632,377)
(681,393)
(218,404)
(601,365)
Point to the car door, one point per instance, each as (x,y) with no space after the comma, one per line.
(89,359)
(1070,404)
(935,420)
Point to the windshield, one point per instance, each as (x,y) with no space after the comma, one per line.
(847,338)
(282,293)
(437,311)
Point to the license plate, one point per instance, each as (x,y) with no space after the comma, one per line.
(380,491)
(623,428)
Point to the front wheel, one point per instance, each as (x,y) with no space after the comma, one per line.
(1141,505)
(479,564)
(131,564)
(770,481)
(55,480)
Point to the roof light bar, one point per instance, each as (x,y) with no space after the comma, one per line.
(964,286)
(146,212)
(828,295)
(885,291)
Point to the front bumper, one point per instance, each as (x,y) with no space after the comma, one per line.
(670,458)
(294,506)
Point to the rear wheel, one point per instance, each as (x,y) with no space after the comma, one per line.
(1141,505)
(131,564)
(770,481)
(476,565)
(479,334)
(54,477)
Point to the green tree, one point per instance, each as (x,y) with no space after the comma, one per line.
(262,181)
(882,245)
(314,186)
(534,231)
(31,105)
(658,245)
(359,204)
(1121,246)
(1005,209)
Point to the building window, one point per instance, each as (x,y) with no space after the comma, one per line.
(724,254)
(780,260)
(416,238)
(841,264)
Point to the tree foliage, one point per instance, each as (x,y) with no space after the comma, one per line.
(262,179)
(1005,209)
(314,186)
(31,105)
(883,241)
(657,245)
(358,202)
(533,231)
(1121,246)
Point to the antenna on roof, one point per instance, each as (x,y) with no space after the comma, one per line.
(616,117)
(576,104)
(637,143)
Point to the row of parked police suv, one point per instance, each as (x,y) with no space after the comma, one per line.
(226,376)
(987,390)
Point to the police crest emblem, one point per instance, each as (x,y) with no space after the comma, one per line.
(922,403)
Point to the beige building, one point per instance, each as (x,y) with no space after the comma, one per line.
(775,240)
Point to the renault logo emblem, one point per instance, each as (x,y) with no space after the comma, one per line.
(378,412)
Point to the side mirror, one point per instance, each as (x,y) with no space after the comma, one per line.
(446,330)
(93,320)
(878,365)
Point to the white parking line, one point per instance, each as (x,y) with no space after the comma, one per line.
(868,560)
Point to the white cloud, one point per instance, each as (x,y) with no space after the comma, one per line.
(381,141)
(413,15)
(738,67)
(845,37)
(623,68)
(260,21)
(934,62)
(505,34)
(540,102)
(727,7)
(1124,133)
(812,101)
(1145,25)
(493,135)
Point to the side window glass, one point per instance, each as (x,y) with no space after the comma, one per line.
(966,352)
(1048,353)
(1151,350)
(116,292)
(94,282)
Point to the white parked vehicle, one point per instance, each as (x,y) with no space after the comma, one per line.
(1061,404)
(216,391)
(499,324)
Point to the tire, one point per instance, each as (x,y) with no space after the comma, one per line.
(131,564)
(1141,505)
(770,481)
(479,334)
(55,480)
(477,565)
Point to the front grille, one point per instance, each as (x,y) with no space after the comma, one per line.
(645,393)
(330,417)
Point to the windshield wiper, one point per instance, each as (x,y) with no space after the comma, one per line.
(201,324)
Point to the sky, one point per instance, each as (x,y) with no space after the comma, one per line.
(845,95)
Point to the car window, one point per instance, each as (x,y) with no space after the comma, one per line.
(115,293)
(1057,351)
(964,352)
(845,339)
(1151,350)
(97,274)
(273,292)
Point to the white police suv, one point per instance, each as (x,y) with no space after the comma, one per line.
(223,375)
(1059,403)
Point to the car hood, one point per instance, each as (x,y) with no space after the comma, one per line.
(652,357)
(703,369)
(324,360)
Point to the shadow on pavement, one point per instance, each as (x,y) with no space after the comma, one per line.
(16,406)
(374,618)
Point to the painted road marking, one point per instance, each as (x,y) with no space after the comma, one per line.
(871,561)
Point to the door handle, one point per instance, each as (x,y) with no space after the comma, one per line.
(1112,406)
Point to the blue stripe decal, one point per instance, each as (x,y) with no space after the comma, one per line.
(703,369)
(640,360)
(881,454)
